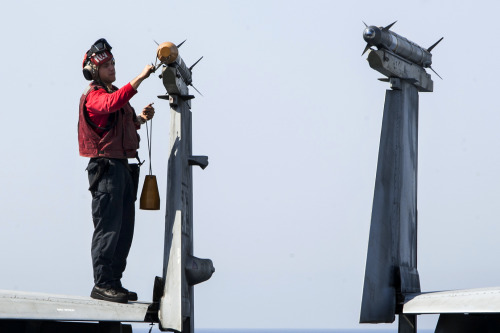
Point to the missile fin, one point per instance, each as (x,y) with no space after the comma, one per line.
(196,89)
(366,49)
(434,45)
(389,26)
(366,25)
(190,68)
(156,58)
(385,79)
(181,43)
(435,72)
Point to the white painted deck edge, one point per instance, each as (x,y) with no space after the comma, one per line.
(39,306)
(481,300)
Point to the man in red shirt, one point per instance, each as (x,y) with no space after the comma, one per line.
(107,133)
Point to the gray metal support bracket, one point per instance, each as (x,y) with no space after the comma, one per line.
(201,161)
(392,65)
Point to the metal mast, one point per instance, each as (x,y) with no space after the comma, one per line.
(181,269)
(391,264)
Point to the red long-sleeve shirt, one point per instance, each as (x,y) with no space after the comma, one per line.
(100,104)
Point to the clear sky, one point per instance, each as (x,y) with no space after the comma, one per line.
(290,120)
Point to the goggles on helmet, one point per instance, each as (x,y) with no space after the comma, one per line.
(100,45)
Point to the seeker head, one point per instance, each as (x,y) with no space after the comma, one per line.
(98,54)
(372,35)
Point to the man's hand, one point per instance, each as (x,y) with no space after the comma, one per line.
(148,112)
(146,71)
(135,83)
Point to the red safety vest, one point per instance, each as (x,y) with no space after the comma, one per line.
(120,141)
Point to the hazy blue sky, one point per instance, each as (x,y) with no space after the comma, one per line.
(290,120)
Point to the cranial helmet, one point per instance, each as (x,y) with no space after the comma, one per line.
(98,54)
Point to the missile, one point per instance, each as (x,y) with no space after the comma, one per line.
(384,38)
(168,54)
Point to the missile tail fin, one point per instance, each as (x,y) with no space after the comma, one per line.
(181,43)
(435,72)
(156,58)
(366,49)
(389,26)
(434,45)
(190,68)
(196,89)
(366,25)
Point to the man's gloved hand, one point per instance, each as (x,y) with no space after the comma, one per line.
(147,113)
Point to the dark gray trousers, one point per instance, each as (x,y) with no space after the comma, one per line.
(113,213)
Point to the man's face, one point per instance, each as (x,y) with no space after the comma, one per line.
(107,72)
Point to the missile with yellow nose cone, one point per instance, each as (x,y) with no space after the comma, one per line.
(168,54)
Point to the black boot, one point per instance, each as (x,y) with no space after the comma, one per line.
(109,294)
(131,295)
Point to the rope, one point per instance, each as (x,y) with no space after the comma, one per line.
(150,142)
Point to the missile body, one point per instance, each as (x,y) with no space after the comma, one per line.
(168,54)
(174,67)
(383,38)
(183,70)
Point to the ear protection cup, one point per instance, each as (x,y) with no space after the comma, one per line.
(87,67)
(87,72)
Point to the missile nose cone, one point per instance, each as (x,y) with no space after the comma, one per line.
(372,35)
(369,33)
